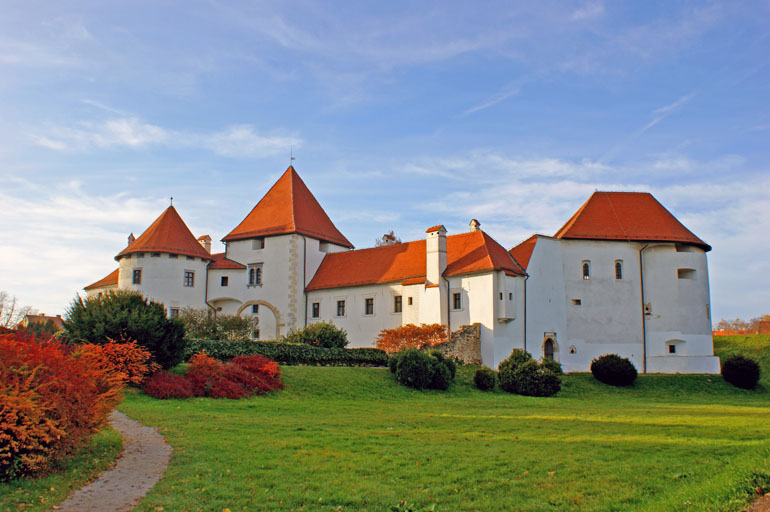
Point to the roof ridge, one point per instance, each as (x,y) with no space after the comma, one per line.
(292,173)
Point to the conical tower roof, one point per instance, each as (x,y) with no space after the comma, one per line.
(288,207)
(168,234)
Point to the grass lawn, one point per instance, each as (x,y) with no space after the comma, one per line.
(85,465)
(352,439)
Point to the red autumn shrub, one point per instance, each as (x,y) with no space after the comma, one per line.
(243,376)
(50,402)
(411,336)
(124,358)
(168,385)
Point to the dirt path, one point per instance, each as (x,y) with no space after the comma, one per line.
(760,505)
(142,463)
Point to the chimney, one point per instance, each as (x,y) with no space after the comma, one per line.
(474,225)
(388,238)
(205,242)
(131,239)
(435,253)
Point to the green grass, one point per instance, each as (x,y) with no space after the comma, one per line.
(352,439)
(41,493)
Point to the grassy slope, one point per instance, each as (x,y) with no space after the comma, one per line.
(352,439)
(756,347)
(39,494)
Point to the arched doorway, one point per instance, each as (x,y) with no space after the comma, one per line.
(264,321)
(550,349)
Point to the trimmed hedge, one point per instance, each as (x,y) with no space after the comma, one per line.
(288,353)
(613,370)
(741,371)
(424,369)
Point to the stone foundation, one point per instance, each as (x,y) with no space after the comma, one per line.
(464,344)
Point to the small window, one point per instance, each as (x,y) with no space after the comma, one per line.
(685,273)
(397,304)
(409,301)
(258,243)
(586,270)
(457,300)
(255,309)
(340,308)
(189,278)
(577,302)
(156,255)
(510,296)
(618,269)
(255,334)
(255,274)
(672,349)
(173,256)
(140,255)
(174,312)
(224,281)
(501,295)
(316,310)
(369,306)
(191,258)
(137,276)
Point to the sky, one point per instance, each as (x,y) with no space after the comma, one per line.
(401,115)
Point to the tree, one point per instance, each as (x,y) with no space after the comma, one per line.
(122,314)
(10,311)
(411,336)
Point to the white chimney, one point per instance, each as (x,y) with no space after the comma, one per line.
(435,253)
(205,242)
(474,225)
(131,239)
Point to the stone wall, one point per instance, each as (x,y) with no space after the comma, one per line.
(464,344)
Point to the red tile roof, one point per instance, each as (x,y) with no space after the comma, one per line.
(221,262)
(629,216)
(167,234)
(288,207)
(522,252)
(405,263)
(110,279)
(435,228)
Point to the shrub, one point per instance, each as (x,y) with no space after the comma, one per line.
(613,370)
(448,361)
(420,370)
(168,385)
(202,324)
(741,371)
(411,336)
(553,365)
(50,402)
(243,376)
(522,375)
(321,334)
(125,359)
(485,378)
(289,354)
(126,315)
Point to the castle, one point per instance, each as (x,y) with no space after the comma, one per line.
(623,276)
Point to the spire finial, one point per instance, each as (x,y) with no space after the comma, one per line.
(172,200)
(291,155)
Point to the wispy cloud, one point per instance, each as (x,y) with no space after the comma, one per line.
(659,114)
(588,11)
(133,133)
(494,100)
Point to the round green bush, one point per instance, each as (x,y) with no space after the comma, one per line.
(320,334)
(126,315)
(529,379)
(422,370)
(553,365)
(485,378)
(741,371)
(517,358)
(448,361)
(613,370)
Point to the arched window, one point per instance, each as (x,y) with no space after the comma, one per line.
(618,269)
(548,349)
(586,270)
(259,275)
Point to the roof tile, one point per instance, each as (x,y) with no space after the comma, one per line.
(110,279)
(167,234)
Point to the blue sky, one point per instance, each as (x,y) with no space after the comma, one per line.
(401,116)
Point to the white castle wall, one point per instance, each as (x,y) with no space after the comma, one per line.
(163,278)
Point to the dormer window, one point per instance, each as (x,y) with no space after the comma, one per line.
(586,270)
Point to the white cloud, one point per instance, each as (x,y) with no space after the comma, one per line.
(494,100)
(132,133)
(589,11)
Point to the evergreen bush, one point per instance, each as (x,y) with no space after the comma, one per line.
(613,370)
(741,371)
(423,370)
(485,379)
(321,334)
(124,314)
(522,375)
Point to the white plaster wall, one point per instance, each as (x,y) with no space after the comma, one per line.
(163,279)
(509,323)
(362,329)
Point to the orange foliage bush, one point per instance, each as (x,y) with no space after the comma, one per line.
(125,359)
(50,402)
(411,336)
